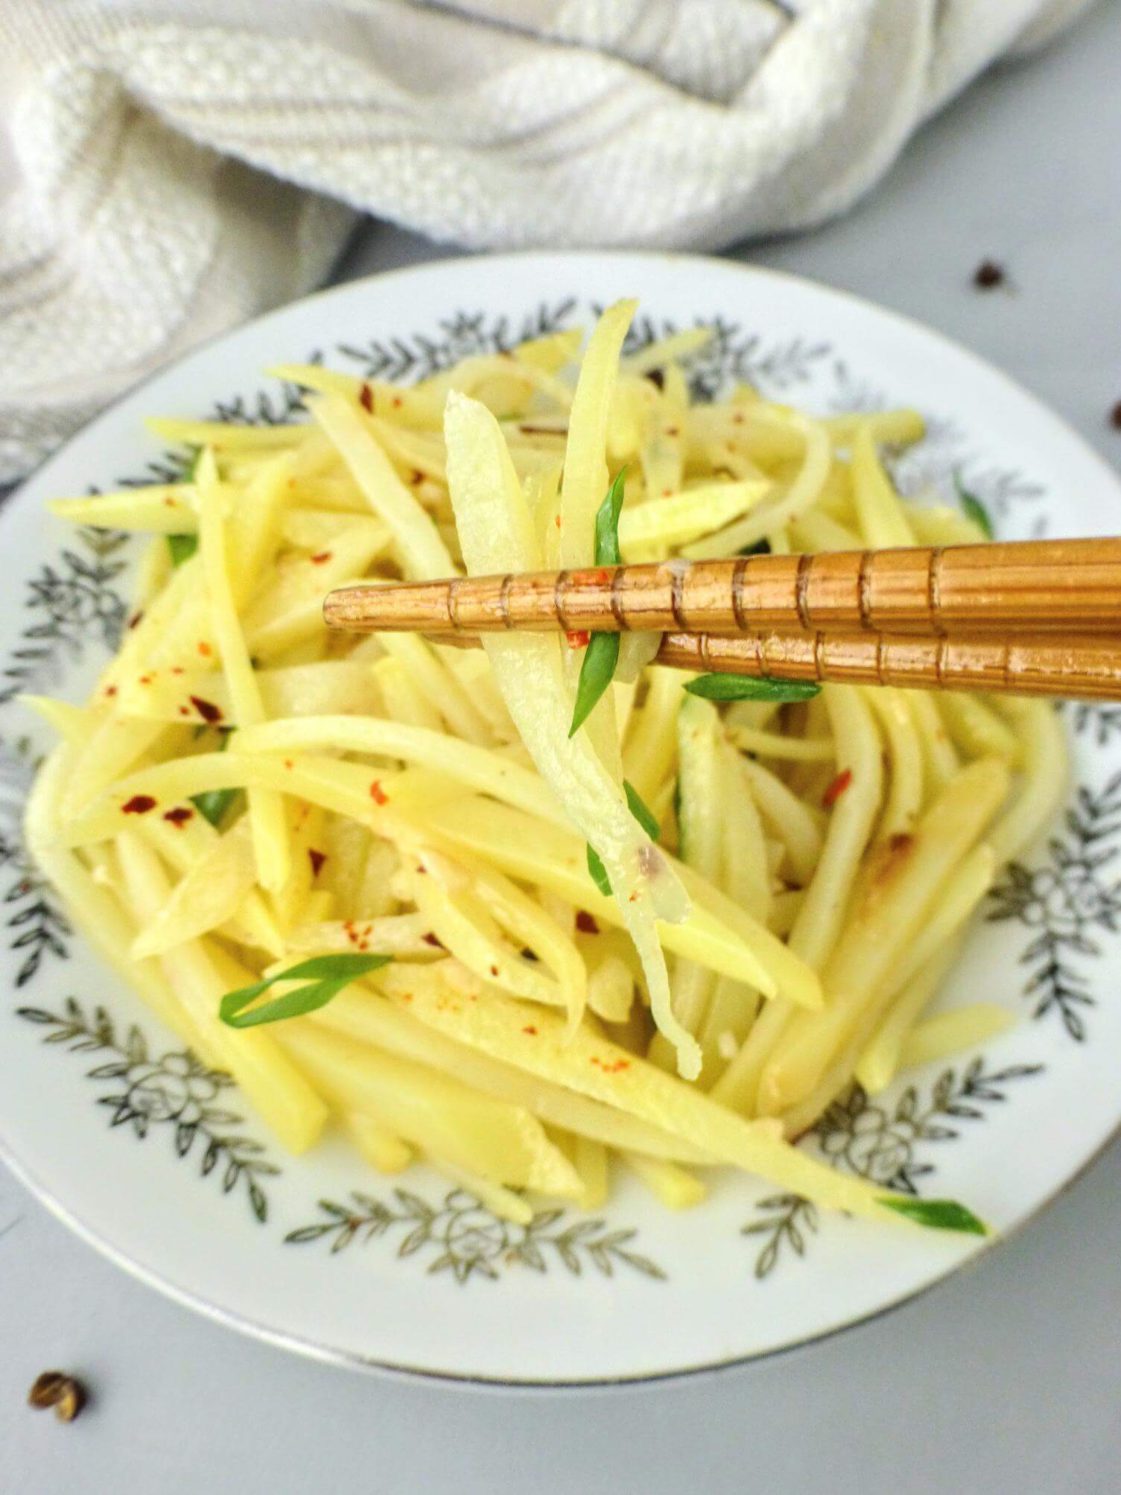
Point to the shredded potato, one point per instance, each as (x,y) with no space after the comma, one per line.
(572,981)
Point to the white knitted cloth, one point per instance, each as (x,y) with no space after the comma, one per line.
(175,166)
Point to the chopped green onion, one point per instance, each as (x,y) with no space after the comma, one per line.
(642,813)
(326,976)
(601,657)
(598,669)
(598,872)
(974,509)
(607,523)
(936,1214)
(212,804)
(182,547)
(722,687)
(596,673)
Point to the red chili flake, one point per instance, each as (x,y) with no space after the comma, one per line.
(321,558)
(179,816)
(610,1067)
(110,690)
(184,711)
(288,763)
(531,1030)
(316,858)
(585,923)
(177,669)
(206,709)
(557,521)
(1115,416)
(417,477)
(430,939)
(363,944)
(366,399)
(837,788)
(136,617)
(139,804)
(494,970)
(397,402)
(204,649)
(145,680)
(988,275)
(578,638)
(378,795)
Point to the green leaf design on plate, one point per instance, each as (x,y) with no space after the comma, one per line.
(146,1091)
(974,508)
(462,1237)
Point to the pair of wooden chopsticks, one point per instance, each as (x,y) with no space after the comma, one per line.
(1039,617)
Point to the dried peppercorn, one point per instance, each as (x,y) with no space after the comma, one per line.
(988,275)
(54,1388)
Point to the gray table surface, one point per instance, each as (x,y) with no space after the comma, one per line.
(1006,1379)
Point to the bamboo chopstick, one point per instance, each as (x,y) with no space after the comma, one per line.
(1028,618)
(1086,668)
(1026,587)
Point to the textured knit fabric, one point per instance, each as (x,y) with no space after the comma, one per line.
(175,166)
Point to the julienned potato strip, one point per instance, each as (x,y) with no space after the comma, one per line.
(815,863)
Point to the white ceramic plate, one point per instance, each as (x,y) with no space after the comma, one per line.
(159,1163)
